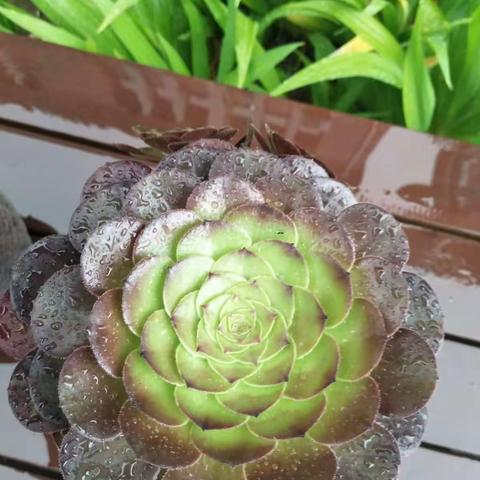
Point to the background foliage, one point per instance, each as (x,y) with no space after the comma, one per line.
(409,62)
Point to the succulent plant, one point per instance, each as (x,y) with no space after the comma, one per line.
(14,239)
(226,313)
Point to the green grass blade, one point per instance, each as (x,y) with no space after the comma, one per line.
(42,29)
(359,22)
(246,36)
(81,19)
(270,59)
(218,10)
(198,39)
(227,52)
(418,92)
(257,6)
(355,64)
(117,9)
(132,37)
(175,60)
(439,44)
(435,28)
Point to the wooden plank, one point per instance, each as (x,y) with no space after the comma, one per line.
(426,465)
(454,410)
(11,474)
(44,179)
(420,177)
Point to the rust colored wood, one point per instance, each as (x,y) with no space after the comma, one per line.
(421,178)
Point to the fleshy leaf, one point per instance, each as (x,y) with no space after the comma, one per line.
(289,192)
(110,338)
(320,232)
(150,392)
(198,153)
(197,372)
(21,401)
(16,338)
(243,163)
(160,237)
(233,446)
(375,232)
(60,313)
(35,266)
(155,443)
(406,375)
(351,410)
(98,208)
(106,258)
(243,263)
(215,285)
(407,431)
(123,172)
(261,222)
(424,315)
(43,380)
(336,196)
(285,261)
(297,458)
(158,192)
(382,283)
(106,459)
(142,291)
(82,383)
(308,321)
(184,277)
(212,239)
(360,458)
(279,294)
(159,344)
(288,417)
(275,369)
(315,371)
(361,338)
(205,410)
(250,399)
(185,321)
(206,469)
(212,199)
(331,286)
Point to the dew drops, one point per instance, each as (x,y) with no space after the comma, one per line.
(197,157)
(43,380)
(371,456)
(99,207)
(158,192)
(60,313)
(375,232)
(424,315)
(123,173)
(15,337)
(84,459)
(407,431)
(211,199)
(106,258)
(38,263)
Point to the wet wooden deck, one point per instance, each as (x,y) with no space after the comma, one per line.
(62,111)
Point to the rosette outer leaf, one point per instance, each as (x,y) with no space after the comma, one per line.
(242,330)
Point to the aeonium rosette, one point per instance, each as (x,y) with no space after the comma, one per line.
(229,313)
